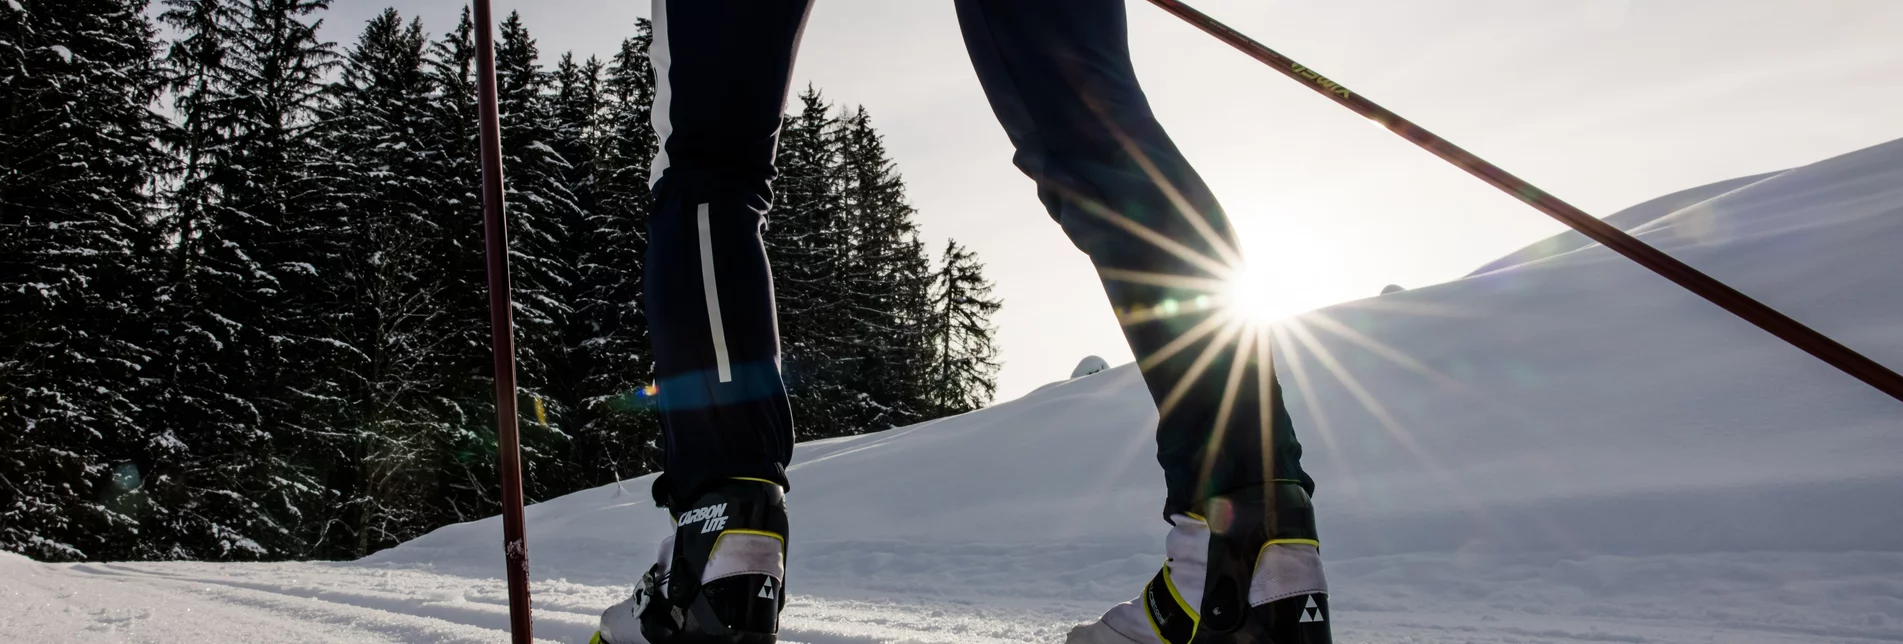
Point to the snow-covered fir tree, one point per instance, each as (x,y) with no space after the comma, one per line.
(541,208)
(575,106)
(618,433)
(465,485)
(76,280)
(400,319)
(807,237)
(964,369)
(249,391)
(889,275)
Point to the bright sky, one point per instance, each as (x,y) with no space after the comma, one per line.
(1604,103)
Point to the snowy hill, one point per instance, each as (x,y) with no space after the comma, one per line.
(1626,220)
(1562,447)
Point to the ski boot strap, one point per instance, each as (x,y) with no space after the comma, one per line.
(1171,619)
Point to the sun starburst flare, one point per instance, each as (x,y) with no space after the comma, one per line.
(1245,311)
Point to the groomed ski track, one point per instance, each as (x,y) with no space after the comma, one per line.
(1561,448)
(1402,599)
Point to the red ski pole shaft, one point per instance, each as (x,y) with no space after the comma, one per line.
(1753,311)
(501,328)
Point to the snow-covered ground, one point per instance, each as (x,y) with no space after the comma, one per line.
(1560,448)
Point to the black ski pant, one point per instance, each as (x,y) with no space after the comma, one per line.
(1059,77)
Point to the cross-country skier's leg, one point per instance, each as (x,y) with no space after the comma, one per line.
(1244,561)
(721,68)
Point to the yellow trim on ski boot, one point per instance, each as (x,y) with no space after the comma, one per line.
(762,533)
(596,639)
(1298,542)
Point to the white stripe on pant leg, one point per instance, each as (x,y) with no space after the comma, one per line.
(714,325)
(660,58)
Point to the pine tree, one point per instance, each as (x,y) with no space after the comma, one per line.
(292,179)
(618,433)
(465,471)
(577,109)
(578,106)
(251,361)
(541,209)
(76,278)
(400,320)
(889,275)
(809,247)
(964,370)
(194,409)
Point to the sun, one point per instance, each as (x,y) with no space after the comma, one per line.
(1274,289)
(1286,270)
(1251,294)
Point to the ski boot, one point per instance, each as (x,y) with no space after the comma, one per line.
(1232,576)
(719,580)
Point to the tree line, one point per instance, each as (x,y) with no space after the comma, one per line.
(243,297)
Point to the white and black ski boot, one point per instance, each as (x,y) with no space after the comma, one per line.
(1250,573)
(720,579)
(1166,611)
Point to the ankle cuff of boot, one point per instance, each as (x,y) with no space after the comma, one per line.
(1285,570)
(746,552)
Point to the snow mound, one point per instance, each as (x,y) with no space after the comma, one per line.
(1089,365)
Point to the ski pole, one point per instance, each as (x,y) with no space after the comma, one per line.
(1730,299)
(501,328)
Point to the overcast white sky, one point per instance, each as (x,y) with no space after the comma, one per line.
(1603,102)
